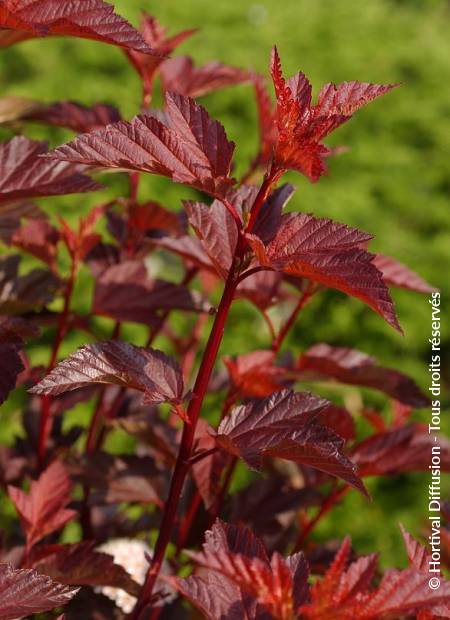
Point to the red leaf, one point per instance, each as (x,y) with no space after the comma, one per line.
(207,472)
(346,593)
(26,175)
(400,276)
(156,37)
(328,253)
(42,511)
(75,116)
(147,370)
(267,122)
(418,556)
(24,592)
(339,420)
(11,364)
(13,213)
(248,578)
(125,292)
(190,249)
(88,19)
(39,238)
(217,231)
(20,294)
(81,565)
(256,375)
(151,216)
(301,126)
(357,368)
(283,426)
(261,288)
(342,593)
(270,217)
(114,479)
(180,76)
(404,449)
(405,591)
(191,148)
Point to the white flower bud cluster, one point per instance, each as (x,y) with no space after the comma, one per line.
(131,555)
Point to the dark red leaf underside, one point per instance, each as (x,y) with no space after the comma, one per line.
(191,148)
(155,36)
(80,565)
(39,238)
(147,370)
(328,253)
(356,368)
(20,294)
(24,592)
(26,175)
(72,115)
(125,292)
(284,426)
(179,75)
(88,19)
(114,479)
(11,364)
(256,374)
(43,510)
(398,275)
(217,231)
(403,449)
(277,585)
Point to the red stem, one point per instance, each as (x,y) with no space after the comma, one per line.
(189,517)
(45,423)
(269,180)
(327,505)
(278,341)
(182,465)
(229,472)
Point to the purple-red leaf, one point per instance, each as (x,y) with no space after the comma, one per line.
(217,231)
(156,37)
(179,75)
(357,368)
(403,449)
(190,148)
(19,294)
(88,19)
(43,510)
(284,426)
(81,565)
(72,115)
(256,375)
(329,253)
(277,585)
(27,175)
(114,479)
(147,370)
(39,238)
(24,592)
(125,292)
(398,275)
(11,364)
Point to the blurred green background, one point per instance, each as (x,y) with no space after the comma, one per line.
(393,182)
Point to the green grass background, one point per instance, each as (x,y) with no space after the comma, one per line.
(394,181)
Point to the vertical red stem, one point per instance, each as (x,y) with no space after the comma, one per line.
(182,464)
